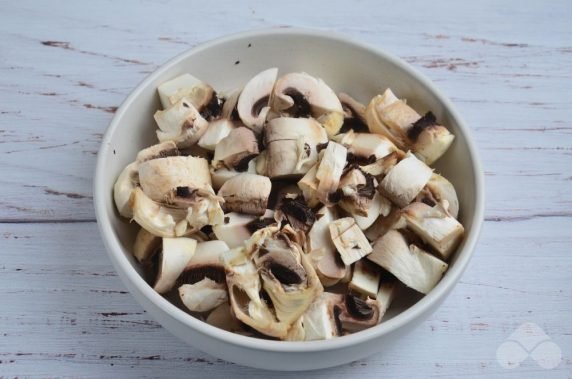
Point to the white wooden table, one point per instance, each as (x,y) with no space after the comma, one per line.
(64,68)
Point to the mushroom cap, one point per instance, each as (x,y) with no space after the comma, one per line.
(175,255)
(367,144)
(246,193)
(222,318)
(253,102)
(161,177)
(414,267)
(124,186)
(182,123)
(405,180)
(221,175)
(379,206)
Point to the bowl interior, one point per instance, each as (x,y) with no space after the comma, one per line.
(229,63)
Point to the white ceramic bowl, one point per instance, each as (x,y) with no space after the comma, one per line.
(349,66)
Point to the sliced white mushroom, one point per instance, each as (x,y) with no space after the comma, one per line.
(309,186)
(382,166)
(330,168)
(302,95)
(413,266)
(185,86)
(207,262)
(253,102)
(229,106)
(287,275)
(182,123)
(203,208)
(124,186)
(435,226)
(146,246)
(161,177)
(379,206)
(405,180)
(429,140)
(365,279)
(352,107)
(393,220)
(160,150)
(291,146)
(357,191)
(158,219)
(351,243)
(216,131)
(234,230)
(442,190)
(221,175)
(238,147)
(391,117)
(322,251)
(319,321)
(385,296)
(246,193)
(175,255)
(203,295)
(244,288)
(222,318)
(366,145)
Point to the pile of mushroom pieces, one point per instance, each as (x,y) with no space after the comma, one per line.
(285,211)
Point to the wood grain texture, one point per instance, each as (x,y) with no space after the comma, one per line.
(64,68)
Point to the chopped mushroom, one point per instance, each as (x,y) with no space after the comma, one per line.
(322,251)
(175,255)
(203,295)
(216,131)
(330,170)
(236,149)
(442,191)
(405,180)
(319,191)
(365,278)
(393,118)
(161,177)
(253,102)
(186,86)
(301,95)
(413,266)
(349,240)
(124,186)
(291,146)
(435,226)
(146,246)
(246,193)
(160,150)
(182,124)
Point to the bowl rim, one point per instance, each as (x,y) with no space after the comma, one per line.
(129,274)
